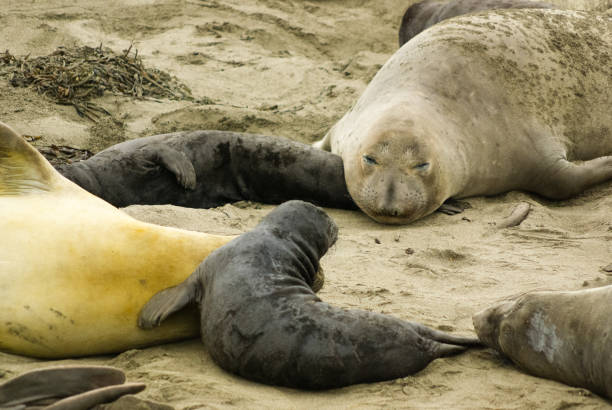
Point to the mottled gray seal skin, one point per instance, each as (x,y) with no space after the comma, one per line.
(479,105)
(564,336)
(205,169)
(426,13)
(260,318)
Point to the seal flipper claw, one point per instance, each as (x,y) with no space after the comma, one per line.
(91,398)
(449,209)
(174,161)
(166,302)
(56,382)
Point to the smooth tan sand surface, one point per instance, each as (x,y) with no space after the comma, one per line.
(293,68)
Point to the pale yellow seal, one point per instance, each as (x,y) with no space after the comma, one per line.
(74,270)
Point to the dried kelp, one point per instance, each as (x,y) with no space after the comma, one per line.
(59,154)
(73,76)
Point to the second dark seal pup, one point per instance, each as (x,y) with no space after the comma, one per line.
(426,13)
(260,318)
(564,336)
(205,169)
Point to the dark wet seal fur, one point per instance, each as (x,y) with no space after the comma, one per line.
(205,169)
(260,318)
(426,13)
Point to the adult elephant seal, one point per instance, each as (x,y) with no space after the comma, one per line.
(205,169)
(564,336)
(74,270)
(426,13)
(479,105)
(260,318)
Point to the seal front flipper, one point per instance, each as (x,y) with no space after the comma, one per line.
(174,161)
(169,301)
(452,207)
(22,168)
(57,382)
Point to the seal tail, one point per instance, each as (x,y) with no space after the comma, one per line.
(57,383)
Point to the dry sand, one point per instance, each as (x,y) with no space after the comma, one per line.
(292,68)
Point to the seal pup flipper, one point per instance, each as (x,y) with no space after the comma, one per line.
(446,338)
(170,300)
(174,161)
(22,168)
(91,398)
(445,350)
(57,382)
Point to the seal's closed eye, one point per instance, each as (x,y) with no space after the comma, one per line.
(369,160)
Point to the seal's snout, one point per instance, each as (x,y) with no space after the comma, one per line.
(487,322)
(389,209)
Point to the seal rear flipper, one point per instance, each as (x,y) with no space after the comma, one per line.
(56,382)
(22,169)
(442,337)
(444,350)
(168,301)
(91,398)
(174,161)
(566,178)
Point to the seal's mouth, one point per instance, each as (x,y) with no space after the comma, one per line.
(394,217)
(391,219)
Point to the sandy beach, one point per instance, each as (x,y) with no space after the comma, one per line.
(292,68)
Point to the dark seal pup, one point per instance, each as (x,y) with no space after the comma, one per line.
(564,336)
(260,318)
(426,13)
(205,169)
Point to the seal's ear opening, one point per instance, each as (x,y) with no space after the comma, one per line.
(22,168)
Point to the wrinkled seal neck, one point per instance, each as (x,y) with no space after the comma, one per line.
(305,228)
